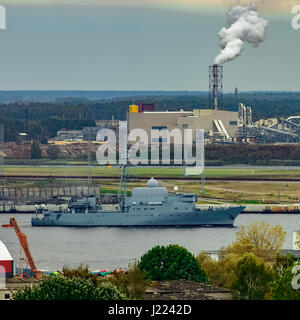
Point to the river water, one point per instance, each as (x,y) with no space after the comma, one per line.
(110,248)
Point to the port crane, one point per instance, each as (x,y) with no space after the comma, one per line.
(25,246)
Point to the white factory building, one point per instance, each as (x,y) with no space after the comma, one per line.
(218,125)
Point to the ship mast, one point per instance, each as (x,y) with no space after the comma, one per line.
(122,185)
(89,162)
(123,160)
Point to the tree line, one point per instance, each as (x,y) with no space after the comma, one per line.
(42,119)
(252,267)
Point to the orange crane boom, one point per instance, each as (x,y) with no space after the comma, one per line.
(24,244)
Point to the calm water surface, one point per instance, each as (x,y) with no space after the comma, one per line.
(110,248)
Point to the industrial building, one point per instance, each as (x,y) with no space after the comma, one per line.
(218,125)
(245,115)
(69,135)
(87,133)
(90,133)
(273,130)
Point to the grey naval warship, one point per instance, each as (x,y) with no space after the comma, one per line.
(150,206)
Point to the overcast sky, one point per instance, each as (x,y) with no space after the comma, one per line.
(156,45)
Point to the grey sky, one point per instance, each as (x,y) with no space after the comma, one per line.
(114,48)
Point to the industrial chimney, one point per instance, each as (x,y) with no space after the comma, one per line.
(215,86)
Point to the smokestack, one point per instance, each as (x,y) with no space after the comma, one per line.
(215,86)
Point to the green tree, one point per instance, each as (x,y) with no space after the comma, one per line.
(253,279)
(222,272)
(260,238)
(282,286)
(35,151)
(283,262)
(171,263)
(59,287)
(43,139)
(53,152)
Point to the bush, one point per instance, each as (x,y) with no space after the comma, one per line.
(253,279)
(79,272)
(133,283)
(108,291)
(281,287)
(171,263)
(62,288)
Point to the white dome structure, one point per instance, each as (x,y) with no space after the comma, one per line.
(152,183)
(6,262)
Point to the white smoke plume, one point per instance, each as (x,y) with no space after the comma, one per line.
(245,25)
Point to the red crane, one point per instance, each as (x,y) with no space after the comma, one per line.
(24,244)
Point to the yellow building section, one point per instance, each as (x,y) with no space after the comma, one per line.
(63,143)
(133,108)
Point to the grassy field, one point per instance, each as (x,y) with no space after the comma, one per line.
(240,191)
(231,191)
(246,192)
(254,192)
(69,171)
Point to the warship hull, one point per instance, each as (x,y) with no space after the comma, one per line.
(217,217)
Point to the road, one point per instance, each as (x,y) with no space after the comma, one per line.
(99,177)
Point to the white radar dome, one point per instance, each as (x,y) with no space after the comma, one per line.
(152,183)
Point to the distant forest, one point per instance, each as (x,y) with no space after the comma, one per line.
(42,119)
